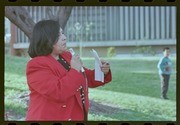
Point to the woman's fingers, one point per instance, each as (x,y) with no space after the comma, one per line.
(105,67)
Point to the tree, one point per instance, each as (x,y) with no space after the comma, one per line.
(19,16)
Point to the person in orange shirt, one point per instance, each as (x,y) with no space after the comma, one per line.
(58,88)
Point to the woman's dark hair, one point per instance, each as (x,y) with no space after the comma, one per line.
(44,36)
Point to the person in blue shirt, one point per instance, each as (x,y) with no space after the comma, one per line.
(165,70)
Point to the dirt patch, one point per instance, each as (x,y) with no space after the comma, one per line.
(97,108)
(11,115)
(103,108)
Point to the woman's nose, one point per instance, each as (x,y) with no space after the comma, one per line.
(64,37)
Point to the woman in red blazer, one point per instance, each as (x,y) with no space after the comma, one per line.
(58,88)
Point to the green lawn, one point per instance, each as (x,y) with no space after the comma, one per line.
(133,94)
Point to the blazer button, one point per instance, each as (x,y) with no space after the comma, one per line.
(64,106)
(80,87)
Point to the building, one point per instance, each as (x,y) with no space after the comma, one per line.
(124,27)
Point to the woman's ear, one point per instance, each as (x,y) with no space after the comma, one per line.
(54,46)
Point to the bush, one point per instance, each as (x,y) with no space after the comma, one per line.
(145,50)
(111,51)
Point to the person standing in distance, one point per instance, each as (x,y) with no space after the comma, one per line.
(58,88)
(165,70)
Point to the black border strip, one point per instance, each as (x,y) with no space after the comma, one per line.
(4,3)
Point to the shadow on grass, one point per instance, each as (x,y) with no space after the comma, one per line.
(13,112)
(14,88)
(17,113)
(115,112)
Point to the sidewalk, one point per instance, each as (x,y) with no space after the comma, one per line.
(173,55)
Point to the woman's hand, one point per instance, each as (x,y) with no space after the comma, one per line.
(105,67)
(76,63)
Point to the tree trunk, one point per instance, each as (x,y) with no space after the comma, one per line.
(62,15)
(64,12)
(12,40)
(21,18)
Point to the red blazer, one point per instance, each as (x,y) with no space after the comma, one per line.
(54,91)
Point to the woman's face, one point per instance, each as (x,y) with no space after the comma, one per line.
(60,46)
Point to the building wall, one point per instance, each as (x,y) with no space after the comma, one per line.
(119,24)
(124,23)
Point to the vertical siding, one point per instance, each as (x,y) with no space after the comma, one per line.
(147,24)
(173,22)
(126,28)
(152,22)
(167,13)
(137,23)
(117,23)
(157,24)
(162,22)
(121,33)
(131,19)
(142,23)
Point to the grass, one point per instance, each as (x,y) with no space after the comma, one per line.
(133,94)
(131,107)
